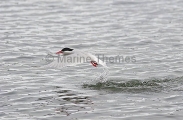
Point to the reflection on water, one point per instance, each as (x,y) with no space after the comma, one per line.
(71,102)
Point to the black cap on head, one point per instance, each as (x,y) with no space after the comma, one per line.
(67,49)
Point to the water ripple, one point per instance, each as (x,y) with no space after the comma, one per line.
(149,88)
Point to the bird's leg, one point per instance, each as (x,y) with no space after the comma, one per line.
(94,63)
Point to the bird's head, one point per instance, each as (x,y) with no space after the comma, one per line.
(65,51)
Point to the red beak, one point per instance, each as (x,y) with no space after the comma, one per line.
(59,52)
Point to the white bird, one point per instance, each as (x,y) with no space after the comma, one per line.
(70,57)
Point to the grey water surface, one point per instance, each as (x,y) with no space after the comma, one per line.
(146,84)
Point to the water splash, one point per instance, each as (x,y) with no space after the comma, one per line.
(136,86)
(102,77)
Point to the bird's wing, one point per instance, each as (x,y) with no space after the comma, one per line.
(77,57)
(67,60)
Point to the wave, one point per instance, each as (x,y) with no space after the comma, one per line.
(136,86)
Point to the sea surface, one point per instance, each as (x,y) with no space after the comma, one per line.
(145,83)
